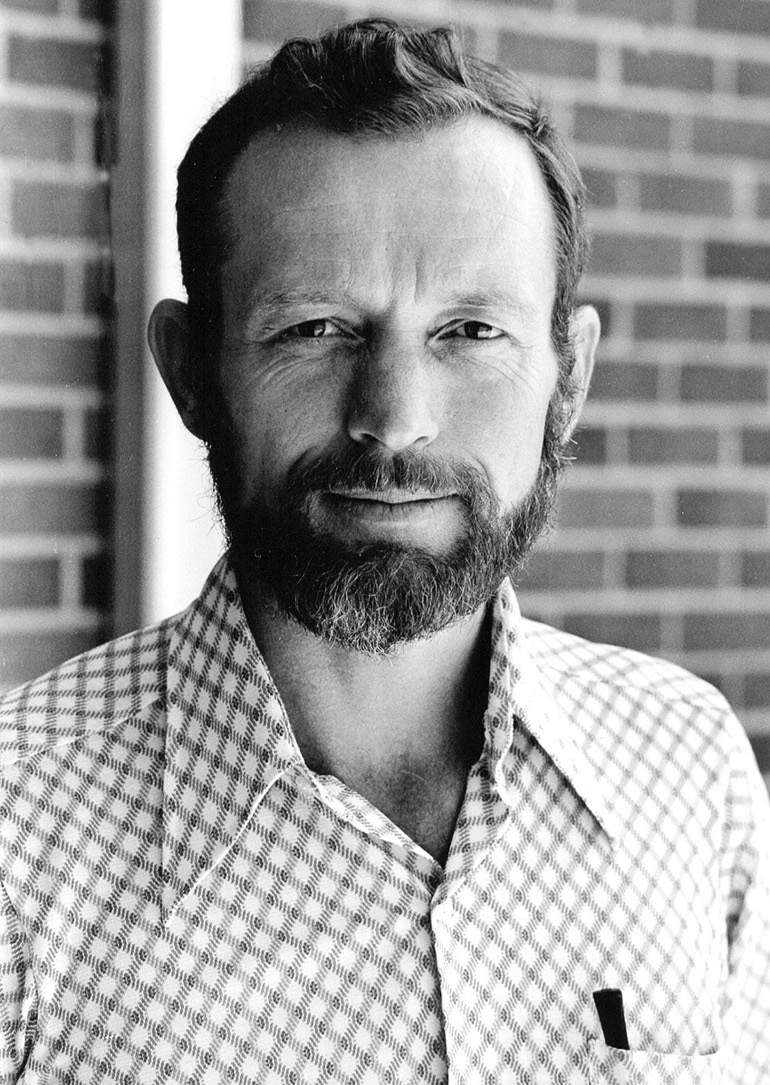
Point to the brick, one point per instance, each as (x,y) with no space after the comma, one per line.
(671,569)
(684,71)
(754,79)
(625,254)
(30,433)
(684,195)
(548,56)
(651,11)
(638,631)
(722,508)
(31,287)
(99,427)
(602,187)
(733,260)
(757,695)
(655,444)
(727,632)
(51,61)
(29,582)
(723,384)
(52,210)
(605,508)
(759,325)
(763,201)
(731,686)
(731,139)
(747,17)
(760,744)
(641,130)
(101,10)
(658,445)
(718,681)
(98,288)
(591,444)
(36,133)
(45,7)
(33,359)
(64,509)
(755,569)
(26,655)
(97,582)
(755,445)
(619,380)
(663,321)
(277,20)
(553,570)
(529,3)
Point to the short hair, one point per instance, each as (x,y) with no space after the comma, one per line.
(371,78)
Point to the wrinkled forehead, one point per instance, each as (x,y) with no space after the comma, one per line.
(481,170)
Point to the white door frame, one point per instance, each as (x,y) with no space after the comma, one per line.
(177,59)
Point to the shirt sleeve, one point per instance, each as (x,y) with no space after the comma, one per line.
(18,993)
(746,883)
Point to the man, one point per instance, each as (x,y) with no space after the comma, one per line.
(349,818)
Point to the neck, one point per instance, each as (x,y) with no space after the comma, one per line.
(401,729)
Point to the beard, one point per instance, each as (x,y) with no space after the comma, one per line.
(371,597)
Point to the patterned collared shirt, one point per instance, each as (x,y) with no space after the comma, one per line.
(182,900)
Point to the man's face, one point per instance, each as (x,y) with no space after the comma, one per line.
(386,367)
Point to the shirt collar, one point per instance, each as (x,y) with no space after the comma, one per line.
(519,696)
(228,737)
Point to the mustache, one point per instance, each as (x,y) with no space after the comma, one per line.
(411,471)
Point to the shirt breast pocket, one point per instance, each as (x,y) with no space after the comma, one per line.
(611,1066)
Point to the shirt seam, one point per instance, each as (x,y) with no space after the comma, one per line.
(31,1029)
(8,759)
(718,708)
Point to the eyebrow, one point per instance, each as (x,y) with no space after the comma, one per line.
(260,303)
(267,306)
(491,299)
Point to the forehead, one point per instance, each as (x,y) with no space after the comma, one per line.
(463,201)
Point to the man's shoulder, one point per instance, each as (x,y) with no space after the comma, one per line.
(623,699)
(93,692)
(647,718)
(572,659)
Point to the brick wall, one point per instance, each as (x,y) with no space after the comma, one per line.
(54,325)
(662,542)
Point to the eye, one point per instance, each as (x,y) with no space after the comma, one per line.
(477,329)
(310,329)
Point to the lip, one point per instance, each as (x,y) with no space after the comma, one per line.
(387,497)
(385,507)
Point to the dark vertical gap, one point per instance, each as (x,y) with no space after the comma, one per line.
(128,201)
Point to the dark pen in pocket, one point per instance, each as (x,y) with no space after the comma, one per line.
(609,1006)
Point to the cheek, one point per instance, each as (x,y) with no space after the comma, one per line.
(277,420)
(502,428)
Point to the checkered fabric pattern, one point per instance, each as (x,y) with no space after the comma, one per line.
(183,901)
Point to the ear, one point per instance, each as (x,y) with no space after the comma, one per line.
(586,329)
(169,338)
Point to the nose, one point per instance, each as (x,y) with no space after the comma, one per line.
(392,401)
